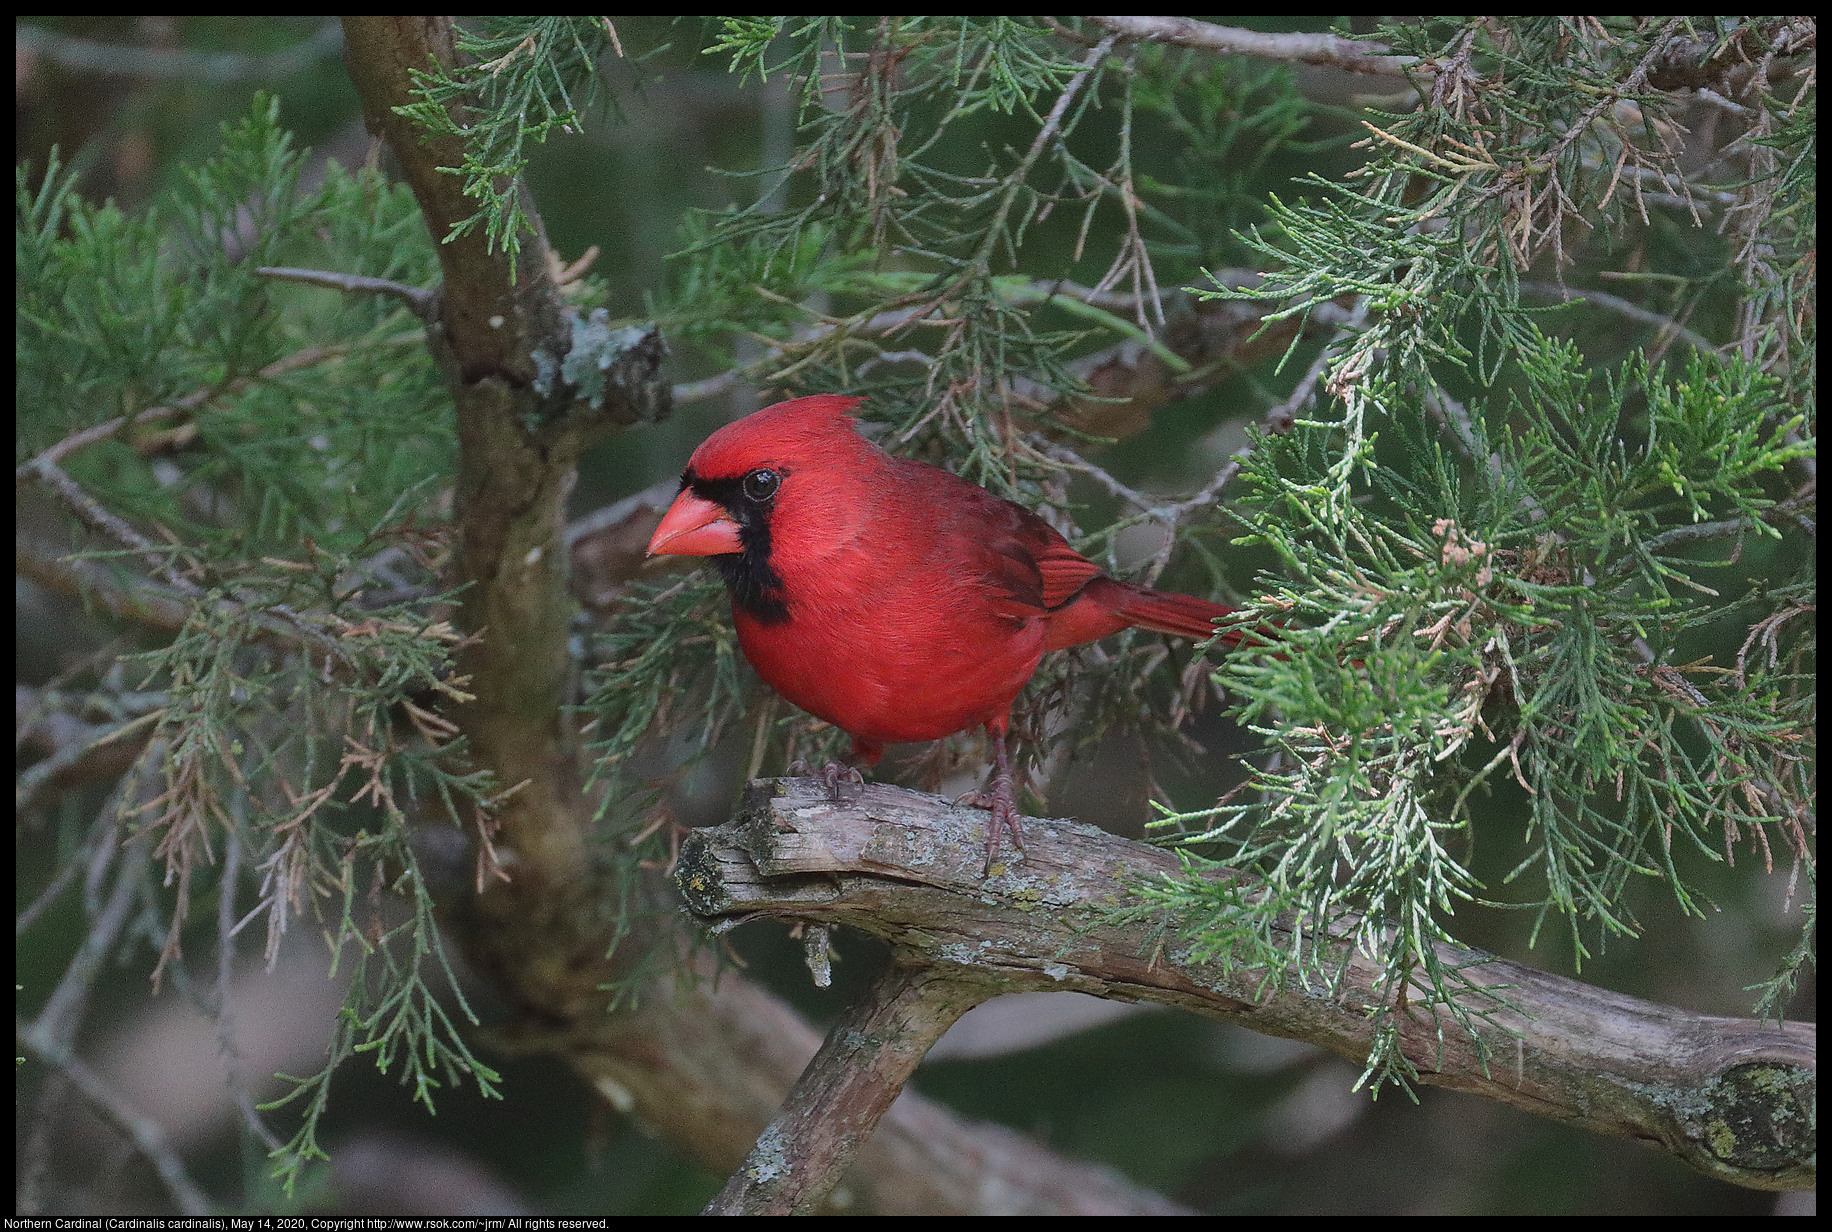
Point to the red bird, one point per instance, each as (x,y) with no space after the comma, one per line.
(894,600)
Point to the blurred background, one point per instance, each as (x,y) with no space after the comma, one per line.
(1217,1118)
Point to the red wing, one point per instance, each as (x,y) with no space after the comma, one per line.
(1030,569)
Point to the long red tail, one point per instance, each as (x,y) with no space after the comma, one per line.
(1106,605)
(1178,615)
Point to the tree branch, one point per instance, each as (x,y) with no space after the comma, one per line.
(1327,49)
(703,1064)
(177,63)
(848,1086)
(1130,380)
(34,468)
(1730,1097)
(1668,327)
(423,303)
(74,751)
(501,332)
(139,601)
(494,321)
(147,1134)
(97,518)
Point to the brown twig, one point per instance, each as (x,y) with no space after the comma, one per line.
(98,518)
(78,751)
(147,1134)
(1168,514)
(143,603)
(165,606)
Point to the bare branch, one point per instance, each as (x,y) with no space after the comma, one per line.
(1328,49)
(146,1133)
(704,1065)
(98,518)
(174,63)
(848,1086)
(159,606)
(62,1011)
(84,751)
(608,546)
(423,303)
(711,387)
(906,867)
(226,1045)
(1698,532)
(140,602)
(1045,135)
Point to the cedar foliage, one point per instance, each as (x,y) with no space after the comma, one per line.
(1548,456)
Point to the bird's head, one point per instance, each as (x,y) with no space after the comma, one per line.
(789,468)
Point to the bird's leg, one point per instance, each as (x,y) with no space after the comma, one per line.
(1003,803)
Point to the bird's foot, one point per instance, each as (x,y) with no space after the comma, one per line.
(832,775)
(1004,820)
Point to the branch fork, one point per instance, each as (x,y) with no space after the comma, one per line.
(1733,1098)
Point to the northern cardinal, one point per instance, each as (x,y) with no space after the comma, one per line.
(894,600)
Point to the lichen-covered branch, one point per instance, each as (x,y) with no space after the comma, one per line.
(848,1086)
(1733,1098)
(501,333)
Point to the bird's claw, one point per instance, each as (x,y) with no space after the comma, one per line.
(1004,819)
(833,774)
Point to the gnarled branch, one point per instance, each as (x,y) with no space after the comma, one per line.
(1731,1097)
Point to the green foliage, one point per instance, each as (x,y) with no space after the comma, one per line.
(308,434)
(644,676)
(1541,138)
(297,393)
(670,665)
(873,201)
(925,163)
(1228,121)
(1508,591)
(517,82)
(105,302)
(251,740)
(1531,605)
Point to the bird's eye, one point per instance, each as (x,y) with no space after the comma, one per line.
(760,485)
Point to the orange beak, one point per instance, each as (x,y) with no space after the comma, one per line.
(695,527)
